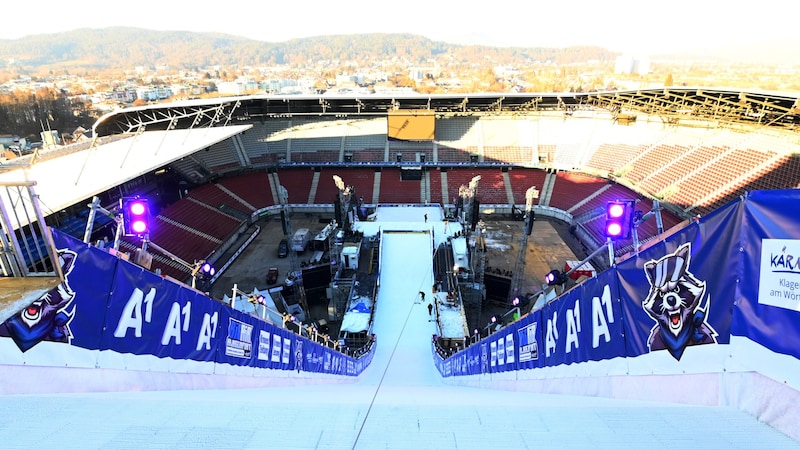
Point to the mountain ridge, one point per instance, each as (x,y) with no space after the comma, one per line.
(122,48)
(108,48)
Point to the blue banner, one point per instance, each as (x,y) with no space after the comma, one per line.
(313,357)
(585,324)
(768,301)
(735,271)
(465,362)
(151,315)
(502,350)
(268,339)
(72,312)
(529,341)
(679,293)
(107,303)
(88,278)
(239,338)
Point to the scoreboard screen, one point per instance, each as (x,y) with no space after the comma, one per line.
(412,125)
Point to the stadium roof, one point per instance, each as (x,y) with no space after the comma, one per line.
(170,131)
(74,176)
(673,105)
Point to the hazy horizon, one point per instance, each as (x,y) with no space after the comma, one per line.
(619,25)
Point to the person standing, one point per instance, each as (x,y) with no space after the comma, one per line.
(426,217)
(430,309)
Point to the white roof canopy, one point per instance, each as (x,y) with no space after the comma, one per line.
(63,181)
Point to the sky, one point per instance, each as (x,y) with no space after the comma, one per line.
(626,26)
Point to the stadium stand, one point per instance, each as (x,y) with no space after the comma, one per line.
(720,174)
(571,189)
(600,197)
(205,219)
(573,142)
(457,131)
(254,140)
(274,146)
(578,162)
(682,163)
(364,135)
(191,169)
(522,179)
(510,154)
(160,263)
(546,153)
(492,188)
(410,151)
(437,178)
(253,188)
(612,157)
(508,140)
(182,240)
(457,139)
(213,195)
(784,175)
(220,157)
(448,154)
(309,137)
(369,154)
(297,182)
(394,189)
(489,140)
(655,160)
(362,179)
(316,156)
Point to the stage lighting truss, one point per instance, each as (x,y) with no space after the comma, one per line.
(555,277)
(135,216)
(619,219)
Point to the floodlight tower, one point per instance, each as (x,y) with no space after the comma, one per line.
(478,266)
(341,286)
(344,204)
(479,255)
(474,204)
(467,207)
(336,248)
(469,199)
(298,292)
(519,265)
(471,206)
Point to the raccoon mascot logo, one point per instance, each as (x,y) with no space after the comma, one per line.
(674,303)
(47,318)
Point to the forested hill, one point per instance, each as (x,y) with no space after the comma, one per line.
(115,48)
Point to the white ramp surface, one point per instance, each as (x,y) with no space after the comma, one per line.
(399,402)
(402,324)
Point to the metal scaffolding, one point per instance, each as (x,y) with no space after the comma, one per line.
(518,275)
(298,291)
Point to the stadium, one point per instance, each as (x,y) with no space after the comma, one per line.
(700,167)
